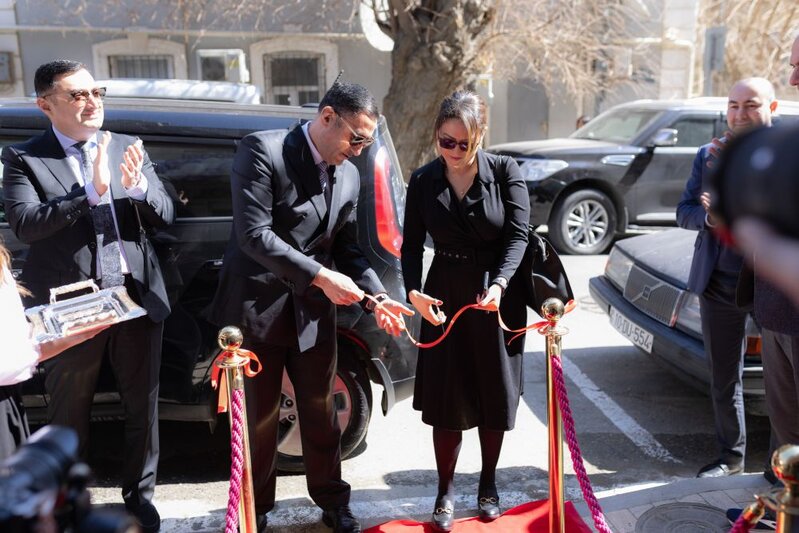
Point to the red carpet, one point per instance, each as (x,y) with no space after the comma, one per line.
(532,517)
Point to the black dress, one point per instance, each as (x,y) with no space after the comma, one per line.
(472,378)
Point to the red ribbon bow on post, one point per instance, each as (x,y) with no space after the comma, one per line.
(218,363)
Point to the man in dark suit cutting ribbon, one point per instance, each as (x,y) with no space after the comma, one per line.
(82,200)
(294,205)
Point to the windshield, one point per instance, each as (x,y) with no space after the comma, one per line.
(619,125)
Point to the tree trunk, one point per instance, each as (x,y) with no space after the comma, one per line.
(436,47)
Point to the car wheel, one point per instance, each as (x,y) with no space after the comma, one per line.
(353,408)
(583,223)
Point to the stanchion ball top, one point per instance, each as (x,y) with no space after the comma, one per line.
(785,463)
(230,338)
(552,309)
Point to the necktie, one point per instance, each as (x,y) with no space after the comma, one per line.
(324,181)
(103,219)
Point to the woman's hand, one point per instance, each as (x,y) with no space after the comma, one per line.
(491,298)
(52,348)
(427,307)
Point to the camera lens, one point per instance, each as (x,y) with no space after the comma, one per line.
(758,176)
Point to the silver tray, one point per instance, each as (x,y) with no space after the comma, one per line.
(71,316)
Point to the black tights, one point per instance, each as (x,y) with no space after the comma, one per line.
(447,446)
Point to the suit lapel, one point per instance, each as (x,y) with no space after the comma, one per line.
(53,157)
(441,187)
(484,176)
(300,159)
(337,178)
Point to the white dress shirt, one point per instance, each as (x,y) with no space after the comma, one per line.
(74,160)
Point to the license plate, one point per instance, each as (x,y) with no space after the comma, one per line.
(635,334)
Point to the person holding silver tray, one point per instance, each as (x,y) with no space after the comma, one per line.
(84,200)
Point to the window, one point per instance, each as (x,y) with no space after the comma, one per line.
(196,176)
(144,66)
(223,65)
(139,56)
(693,132)
(294,78)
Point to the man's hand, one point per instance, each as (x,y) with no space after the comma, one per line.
(131,166)
(338,288)
(388,314)
(717,145)
(102,175)
(490,299)
(425,305)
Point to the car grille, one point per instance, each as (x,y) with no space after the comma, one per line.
(653,296)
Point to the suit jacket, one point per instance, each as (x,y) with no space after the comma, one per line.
(48,210)
(691,215)
(282,235)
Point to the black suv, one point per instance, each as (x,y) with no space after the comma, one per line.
(192,147)
(625,168)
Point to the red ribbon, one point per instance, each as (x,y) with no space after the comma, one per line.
(216,368)
(542,326)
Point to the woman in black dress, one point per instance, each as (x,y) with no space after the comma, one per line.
(476,209)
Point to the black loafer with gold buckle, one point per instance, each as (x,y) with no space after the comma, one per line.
(488,507)
(443,514)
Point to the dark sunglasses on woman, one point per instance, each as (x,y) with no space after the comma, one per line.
(450,144)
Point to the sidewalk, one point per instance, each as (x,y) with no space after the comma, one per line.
(692,501)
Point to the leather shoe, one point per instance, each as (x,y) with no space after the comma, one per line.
(719,469)
(146,516)
(488,508)
(341,520)
(260,523)
(443,514)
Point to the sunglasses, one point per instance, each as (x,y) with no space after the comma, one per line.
(81,96)
(356,139)
(450,144)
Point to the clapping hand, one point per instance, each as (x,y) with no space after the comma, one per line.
(428,307)
(102,176)
(133,159)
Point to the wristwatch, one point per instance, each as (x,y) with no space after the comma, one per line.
(370,305)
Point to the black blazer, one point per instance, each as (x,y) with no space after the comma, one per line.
(48,210)
(500,200)
(282,235)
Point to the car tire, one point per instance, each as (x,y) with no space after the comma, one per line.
(583,223)
(352,398)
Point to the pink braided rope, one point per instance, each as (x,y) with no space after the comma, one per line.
(574,448)
(741,525)
(236,462)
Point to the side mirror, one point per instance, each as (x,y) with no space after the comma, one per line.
(665,137)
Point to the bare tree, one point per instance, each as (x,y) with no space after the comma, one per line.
(439,45)
(759,35)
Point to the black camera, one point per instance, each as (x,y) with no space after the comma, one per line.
(758,176)
(43,488)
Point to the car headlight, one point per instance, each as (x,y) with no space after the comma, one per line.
(689,319)
(538,169)
(618,267)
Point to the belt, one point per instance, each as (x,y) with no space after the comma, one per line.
(467,256)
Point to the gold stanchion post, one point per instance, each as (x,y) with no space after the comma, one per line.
(230,339)
(785,502)
(552,310)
